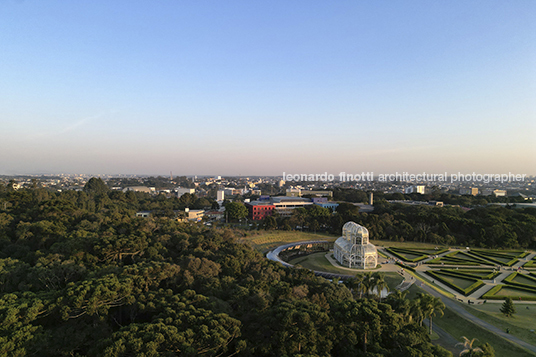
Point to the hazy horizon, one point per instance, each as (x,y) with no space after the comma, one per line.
(238,88)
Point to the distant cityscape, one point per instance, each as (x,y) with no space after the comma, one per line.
(270,185)
(264,195)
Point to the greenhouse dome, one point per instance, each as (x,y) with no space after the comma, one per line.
(353,249)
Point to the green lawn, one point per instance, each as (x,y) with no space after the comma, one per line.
(458,281)
(457,326)
(481,273)
(524,280)
(393,280)
(530,264)
(520,325)
(263,241)
(506,291)
(318,261)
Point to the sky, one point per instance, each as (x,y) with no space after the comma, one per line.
(266,87)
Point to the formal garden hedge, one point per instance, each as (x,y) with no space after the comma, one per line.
(458,258)
(503,253)
(430,251)
(523,255)
(510,280)
(400,253)
(471,255)
(466,273)
(451,261)
(402,265)
(531,264)
(467,291)
(524,293)
(508,260)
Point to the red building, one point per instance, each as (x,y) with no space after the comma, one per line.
(258,210)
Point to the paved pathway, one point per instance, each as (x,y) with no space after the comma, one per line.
(478,293)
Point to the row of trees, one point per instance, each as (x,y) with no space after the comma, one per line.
(485,227)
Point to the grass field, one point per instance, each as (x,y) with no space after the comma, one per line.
(457,326)
(263,241)
(318,261)
(520,325)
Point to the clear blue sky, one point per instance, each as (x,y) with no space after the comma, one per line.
(258,88)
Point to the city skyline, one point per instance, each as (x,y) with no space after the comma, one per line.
(261,89)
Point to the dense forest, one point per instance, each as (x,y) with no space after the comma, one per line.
(81,275)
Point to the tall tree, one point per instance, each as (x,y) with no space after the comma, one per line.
(367,284)
(431,306)
(416,312)
(236,210)
(96,185)
(356,284)
(380,283)
(508,308)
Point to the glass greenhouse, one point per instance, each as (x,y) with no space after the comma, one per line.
(353,249)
